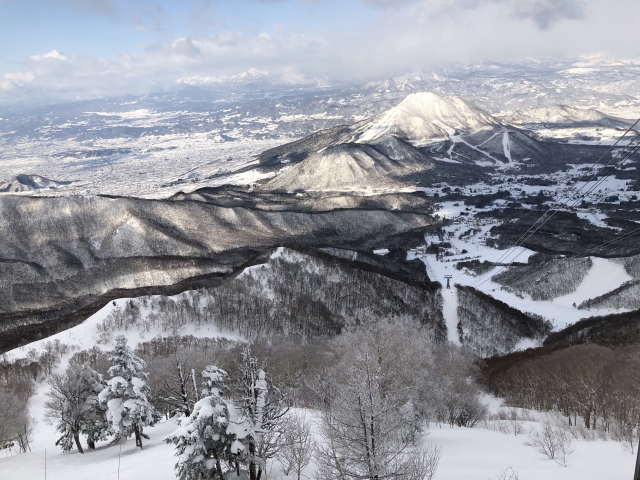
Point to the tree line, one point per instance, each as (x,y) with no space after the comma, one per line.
(595,388)
(17,385)
(289,295)
(491,327)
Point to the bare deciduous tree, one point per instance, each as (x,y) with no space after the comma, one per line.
(299,445)
(15,423)
(508,474)
(264,409)
(553,442)
(73,406)
(366,430)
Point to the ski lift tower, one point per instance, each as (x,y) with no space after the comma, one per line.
(448,277)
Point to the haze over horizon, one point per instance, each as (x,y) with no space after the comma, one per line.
(65,50)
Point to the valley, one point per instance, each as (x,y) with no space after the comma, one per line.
(433,173)
(461,241)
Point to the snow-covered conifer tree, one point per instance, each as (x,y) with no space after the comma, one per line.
(73,407)
(264,408)
(212,435)
(95,425)
(129,409)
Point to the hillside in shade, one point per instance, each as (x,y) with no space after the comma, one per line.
(60,255)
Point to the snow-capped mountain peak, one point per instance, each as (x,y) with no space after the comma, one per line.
(425,117)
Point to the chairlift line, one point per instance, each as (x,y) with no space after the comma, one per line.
(583,176)
(507,253)
(582,254)
(554,209)
(604,177)
(636,148)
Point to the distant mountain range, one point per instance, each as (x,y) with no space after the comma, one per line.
(256,79)
(563,115)
(425,140)
(590,82)
(252,75)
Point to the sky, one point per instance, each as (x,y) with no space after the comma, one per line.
(56,50)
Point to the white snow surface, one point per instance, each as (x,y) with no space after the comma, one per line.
(506,145)
(450,314)
(425,117)
(155,462)
(557,114)
(605,275)
(467,453)
(85,335)
(476,453)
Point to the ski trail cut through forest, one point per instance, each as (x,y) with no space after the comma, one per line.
(450,313)
(449,301)
(506,146)
(603,277)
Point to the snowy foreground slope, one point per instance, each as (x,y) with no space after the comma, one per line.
(467,453)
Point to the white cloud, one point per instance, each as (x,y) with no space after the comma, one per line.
(542,13)
(416,35)
(53,54)
(11,81)
(184,46)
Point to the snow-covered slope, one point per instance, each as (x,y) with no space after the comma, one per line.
(469,453)
(511,145)
(60,253)
(353,167)
(425,117)
(406,146)
(563,115)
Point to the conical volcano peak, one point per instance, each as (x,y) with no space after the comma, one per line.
(425,117)
(431,106)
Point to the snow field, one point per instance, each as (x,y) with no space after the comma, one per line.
(467,453)
(450,313)
(156,167)
(604,276)
(154,462)
(476,453)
